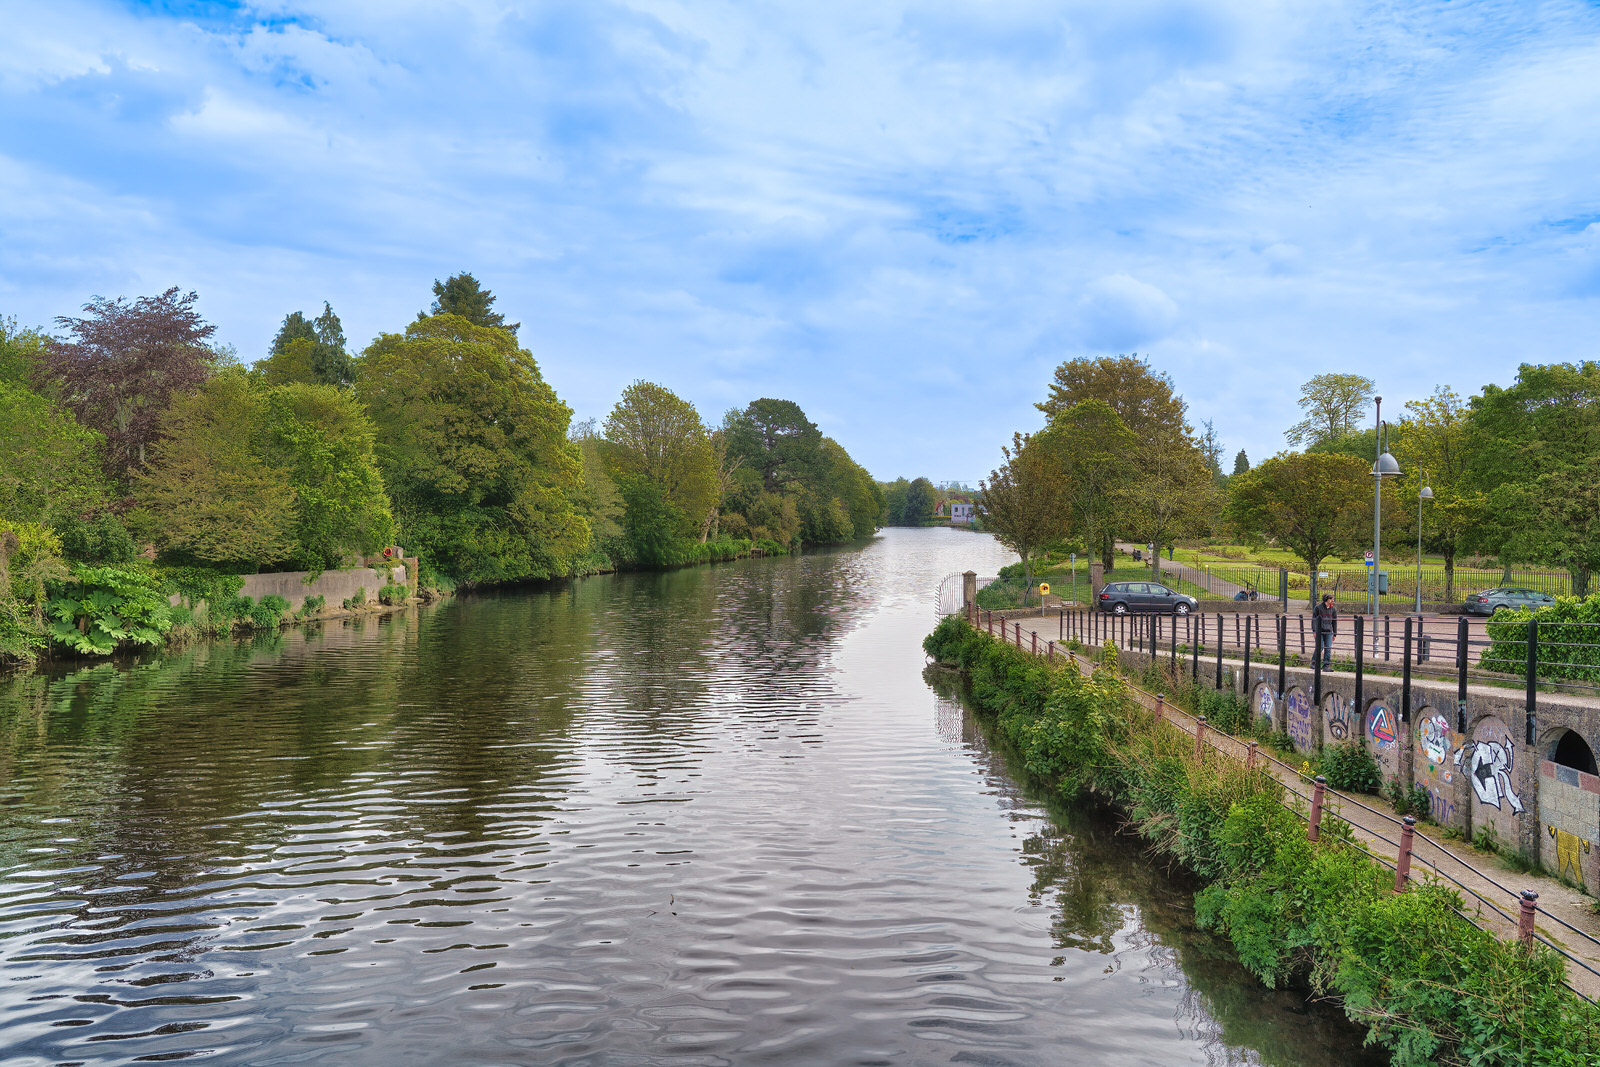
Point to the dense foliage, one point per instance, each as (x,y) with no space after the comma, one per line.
(1427,983)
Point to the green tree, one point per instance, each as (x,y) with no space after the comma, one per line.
(1142,398)
(917,508)
(1173,493)
(1241,462)
(312,352)
(1333,403)
(1210,446)
(21,353)
(322,437)
(1096,450)
(1435,444)
(49,465)
(1316,505)
(655,435)
(894,501)
(213,498)
(474,450)
(1535,453)
(1028,500)
(776,440)
(460,294)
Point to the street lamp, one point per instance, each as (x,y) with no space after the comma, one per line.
(1385,466)
(1426,494)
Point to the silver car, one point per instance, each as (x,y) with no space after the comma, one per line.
(1490,600)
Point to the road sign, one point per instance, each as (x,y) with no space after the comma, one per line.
(1368,555)
(1044,588)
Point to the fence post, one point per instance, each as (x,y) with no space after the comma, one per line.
(1248,619)
(1405,675)
(989,618)
(1385,638)
(1359,718)
(1172,660)
(1018,632)
(1061,625)
(1033,636)
(1529,907)
(1050,652)
(1283,652)
(1402,867)
(1463,635)
(1250,757)
(1219,650)
(1161,706)
(1315,826)
(1200,739)
(1533,681)
(1302,619)
(1197,634)
(1316,674)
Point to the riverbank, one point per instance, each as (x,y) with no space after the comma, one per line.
(1427,984)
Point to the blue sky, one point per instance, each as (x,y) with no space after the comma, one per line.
(902,216)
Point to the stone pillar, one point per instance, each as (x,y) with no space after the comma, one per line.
(969,590)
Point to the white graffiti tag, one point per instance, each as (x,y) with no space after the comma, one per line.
(1489,771)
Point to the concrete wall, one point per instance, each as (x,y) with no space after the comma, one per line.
(333,586)
(1485,776)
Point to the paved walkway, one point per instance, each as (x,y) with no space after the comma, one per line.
(1432,854)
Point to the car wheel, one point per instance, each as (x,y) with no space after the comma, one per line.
(1181,609)
(1119,609)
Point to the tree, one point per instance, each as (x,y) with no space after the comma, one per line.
(1241,462)
(1141,398)
(49,465)
(1096,449)
(1434,443)
(1332,403)
(1172,492)
(917,506)
(1314,504)
(124,363)
(655,435)
(460,294)
(1534,450)
(311,352)
(1028,501)
(473,447)
(1210,446)
(22,353)
(214,499)
(775,439)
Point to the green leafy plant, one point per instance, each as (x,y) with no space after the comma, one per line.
(1351,767)
(351,603)
(392,594)
(269,612)
(311,605)
(99,608)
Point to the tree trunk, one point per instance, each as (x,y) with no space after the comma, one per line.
(1108,551)
(1450,575)
(1027,575)
(1580,581)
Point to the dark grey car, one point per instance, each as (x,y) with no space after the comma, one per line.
(1122,598)
(1486,602)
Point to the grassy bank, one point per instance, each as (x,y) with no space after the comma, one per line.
(1429,985)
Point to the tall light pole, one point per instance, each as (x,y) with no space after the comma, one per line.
(1385,466)
(1425,494)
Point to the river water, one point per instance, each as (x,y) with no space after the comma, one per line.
(716,816)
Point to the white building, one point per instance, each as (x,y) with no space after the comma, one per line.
(960,512)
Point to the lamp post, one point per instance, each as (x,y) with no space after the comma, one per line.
(1425,494)
(1385,466)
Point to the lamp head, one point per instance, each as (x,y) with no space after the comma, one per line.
(1387,466)
(1427,493)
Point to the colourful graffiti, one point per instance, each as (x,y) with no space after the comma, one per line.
(1300,723)
(1433,744)
(1380,726)
(1570,848)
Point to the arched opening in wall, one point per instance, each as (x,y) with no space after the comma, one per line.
(1571,750)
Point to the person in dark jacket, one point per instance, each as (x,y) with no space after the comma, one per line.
(1325,623)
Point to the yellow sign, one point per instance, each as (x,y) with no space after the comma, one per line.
(1044,588)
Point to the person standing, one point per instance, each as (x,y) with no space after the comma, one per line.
(1325,623)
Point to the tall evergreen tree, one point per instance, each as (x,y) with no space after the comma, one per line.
(1241,462)
(461,294)
(309,351)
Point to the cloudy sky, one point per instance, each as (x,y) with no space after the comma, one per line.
(901,215)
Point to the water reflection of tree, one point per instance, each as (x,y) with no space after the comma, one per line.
(1101,881)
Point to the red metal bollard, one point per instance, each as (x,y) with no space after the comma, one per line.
(1034,641)
(1525,920)
(1315,826)
(1050,651)
(1019,636)
(1200,739)
(1402,868)
(1161,705)
(1250,758)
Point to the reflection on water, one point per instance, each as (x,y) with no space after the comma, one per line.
(715,816)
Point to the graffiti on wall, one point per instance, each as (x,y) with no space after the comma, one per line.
(1570,848)
(1298,707)
(1264,704)
(1434,742)
(1338,712)
(1380,726)
(1488,765)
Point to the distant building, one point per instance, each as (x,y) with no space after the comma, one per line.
(961,512)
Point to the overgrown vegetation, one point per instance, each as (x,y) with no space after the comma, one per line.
(1429,985)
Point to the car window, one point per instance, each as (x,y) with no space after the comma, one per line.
(1116,587)
(1160,590)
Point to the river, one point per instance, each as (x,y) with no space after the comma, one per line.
(721,815)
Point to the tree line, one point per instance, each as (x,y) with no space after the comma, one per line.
(1514,471)
(133,449)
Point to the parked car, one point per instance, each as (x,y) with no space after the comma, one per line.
(1120,598)
(1488,601)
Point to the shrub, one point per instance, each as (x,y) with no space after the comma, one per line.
(311,605)
(195,584)
(1351,767)
(269,612)
(392,594)
(353,602)
(100,608)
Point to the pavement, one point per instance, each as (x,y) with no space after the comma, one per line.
(1453,862)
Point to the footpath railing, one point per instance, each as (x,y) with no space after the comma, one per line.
(1132,633)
